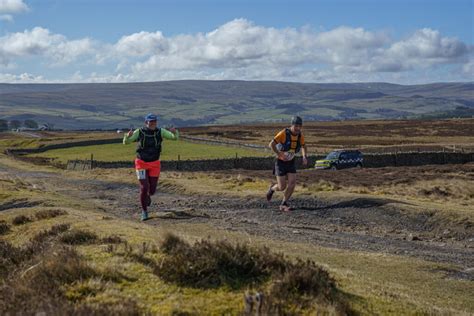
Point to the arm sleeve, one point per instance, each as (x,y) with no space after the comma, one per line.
(280,137)
(302,140)
(165,134)
(128,140)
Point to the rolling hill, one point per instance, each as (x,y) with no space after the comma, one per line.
(199,102)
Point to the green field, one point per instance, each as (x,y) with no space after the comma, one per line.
(171,150)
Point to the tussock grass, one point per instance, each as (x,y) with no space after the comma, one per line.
(291,286)
(40,288)
(21,219)
(46,214)
(11,257)
(43,277)
(52,232)
(4,228)
(113,239)
(79,237)
(208,265)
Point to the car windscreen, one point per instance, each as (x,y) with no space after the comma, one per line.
(332,155)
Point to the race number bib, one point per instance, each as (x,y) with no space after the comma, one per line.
(141,174)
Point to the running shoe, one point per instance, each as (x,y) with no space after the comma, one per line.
(270,193)
(144,216)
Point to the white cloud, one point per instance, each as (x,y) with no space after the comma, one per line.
(240,49)
(21,78)
(241,44)
(468,68)
(12,6)
(425,48)
(141,44)
(40,42)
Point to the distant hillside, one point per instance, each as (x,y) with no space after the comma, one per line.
(198,102)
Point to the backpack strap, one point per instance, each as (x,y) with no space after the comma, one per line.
(287,145)
(298,143)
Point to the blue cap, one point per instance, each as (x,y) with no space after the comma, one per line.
(151,117)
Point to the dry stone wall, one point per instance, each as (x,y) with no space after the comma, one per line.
(250,163)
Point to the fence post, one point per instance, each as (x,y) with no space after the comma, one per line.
(177,163)
(92,160)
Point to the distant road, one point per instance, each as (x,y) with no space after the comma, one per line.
(30,134)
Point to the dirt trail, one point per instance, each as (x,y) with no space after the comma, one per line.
(365,224)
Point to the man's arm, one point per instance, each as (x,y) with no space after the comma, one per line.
(273,147)
(304,152)
(171,135)
(131,137)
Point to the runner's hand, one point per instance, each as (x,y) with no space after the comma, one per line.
(281,155)
(305,161)
(130,133)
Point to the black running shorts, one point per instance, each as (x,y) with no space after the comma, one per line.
(281,167)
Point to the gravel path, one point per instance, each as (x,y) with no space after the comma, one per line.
(363,224)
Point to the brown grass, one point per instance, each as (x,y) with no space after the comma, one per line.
(46,214)
(374,136)
(291,286)
(21,219)
(4,228)
(78,237)
(52,232)
(113,239)
(36,276)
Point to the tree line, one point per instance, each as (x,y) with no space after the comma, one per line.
(15,124)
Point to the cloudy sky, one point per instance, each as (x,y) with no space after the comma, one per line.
(403,41)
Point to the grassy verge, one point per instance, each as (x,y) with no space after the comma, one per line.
(171,151)
(370,283)
(119,258)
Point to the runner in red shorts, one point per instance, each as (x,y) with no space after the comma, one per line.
(147,163)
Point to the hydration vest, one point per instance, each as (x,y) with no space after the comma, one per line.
(286,146)
(149,144)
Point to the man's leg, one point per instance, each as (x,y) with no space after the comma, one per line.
(291,186)
(281,184)
(144,189)
(153,181)
(153,176)
(145,200)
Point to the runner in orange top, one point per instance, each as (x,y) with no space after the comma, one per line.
(286,144)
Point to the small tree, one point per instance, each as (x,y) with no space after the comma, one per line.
(14,124)
(3,125)
(31,124)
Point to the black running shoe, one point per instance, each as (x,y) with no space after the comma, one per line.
(270,193)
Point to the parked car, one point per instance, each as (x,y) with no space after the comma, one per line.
(340,159)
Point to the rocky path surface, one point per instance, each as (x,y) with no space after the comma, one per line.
(362,224)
